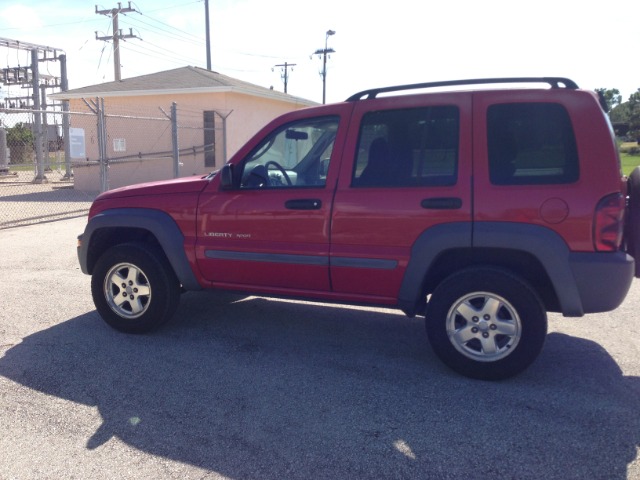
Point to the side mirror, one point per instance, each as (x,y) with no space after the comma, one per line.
(226,177)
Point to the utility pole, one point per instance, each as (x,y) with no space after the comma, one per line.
(117,34)
(324,51)
(208,32)
(285,72)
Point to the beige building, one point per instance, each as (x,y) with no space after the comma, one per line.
(216,115)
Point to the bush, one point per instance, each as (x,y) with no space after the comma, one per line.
(630,149)
(20,140)
(633,151)
(20,134)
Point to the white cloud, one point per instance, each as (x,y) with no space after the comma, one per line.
(20,17)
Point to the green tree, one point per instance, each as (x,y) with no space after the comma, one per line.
(20,140)
(633,112)
(628,114)
(620,113)
(20,134)
(611,96)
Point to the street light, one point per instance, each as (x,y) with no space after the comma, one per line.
(324,53)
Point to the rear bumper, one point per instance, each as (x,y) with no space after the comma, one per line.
(602,279)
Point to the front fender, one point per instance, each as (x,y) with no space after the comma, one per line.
(156,222)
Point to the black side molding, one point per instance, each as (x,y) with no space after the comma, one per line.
(442,203)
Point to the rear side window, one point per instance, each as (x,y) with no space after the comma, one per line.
(531,144)
(410,147)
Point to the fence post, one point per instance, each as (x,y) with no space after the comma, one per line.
(174,140)
(224,135)
(102,144)
(65,118)
(224,140)
(97,107)
(37,119)
(4,161)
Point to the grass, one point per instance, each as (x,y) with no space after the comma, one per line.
(629,162)
(32,167)
(55,163)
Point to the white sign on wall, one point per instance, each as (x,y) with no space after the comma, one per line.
(119,144)
(76,143)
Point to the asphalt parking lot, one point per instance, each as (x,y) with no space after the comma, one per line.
(23,202)
(254,388)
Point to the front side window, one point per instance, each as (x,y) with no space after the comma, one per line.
(409,147)
(296,155)
(531,144)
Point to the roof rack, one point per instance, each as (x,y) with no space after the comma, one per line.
(554,82)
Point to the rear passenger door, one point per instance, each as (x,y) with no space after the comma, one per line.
(406,168)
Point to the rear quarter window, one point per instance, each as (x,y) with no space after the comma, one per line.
(531,144)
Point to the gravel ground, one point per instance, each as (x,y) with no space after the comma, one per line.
(255,388)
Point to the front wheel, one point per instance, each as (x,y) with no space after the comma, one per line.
(134,289)
(486,323)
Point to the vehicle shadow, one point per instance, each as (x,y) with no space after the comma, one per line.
(257,388)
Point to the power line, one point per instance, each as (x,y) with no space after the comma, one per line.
(166,24)
(179,5)
(195,40)
(161,54)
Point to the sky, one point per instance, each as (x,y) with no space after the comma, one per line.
(377,43)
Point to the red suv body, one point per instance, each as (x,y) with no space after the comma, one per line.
(481,209)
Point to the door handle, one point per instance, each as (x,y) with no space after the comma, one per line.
(303,204)
(442,203)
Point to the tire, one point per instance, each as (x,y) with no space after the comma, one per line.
(134,289)
(632,223)
(486,323)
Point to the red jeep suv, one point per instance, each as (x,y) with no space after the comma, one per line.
(480,208)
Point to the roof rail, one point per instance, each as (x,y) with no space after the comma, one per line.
(554,82)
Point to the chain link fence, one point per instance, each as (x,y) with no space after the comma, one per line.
(54,164)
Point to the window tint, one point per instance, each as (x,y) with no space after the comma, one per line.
(531,143)
(296,155)
(410,147)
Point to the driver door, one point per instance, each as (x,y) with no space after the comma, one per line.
(270,231)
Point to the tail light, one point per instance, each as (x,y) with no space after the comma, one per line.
(608,223)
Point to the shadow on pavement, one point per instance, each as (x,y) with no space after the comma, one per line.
(256,388)
(51,195)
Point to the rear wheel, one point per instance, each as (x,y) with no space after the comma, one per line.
(632,224)
(486,323)
(134,289)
